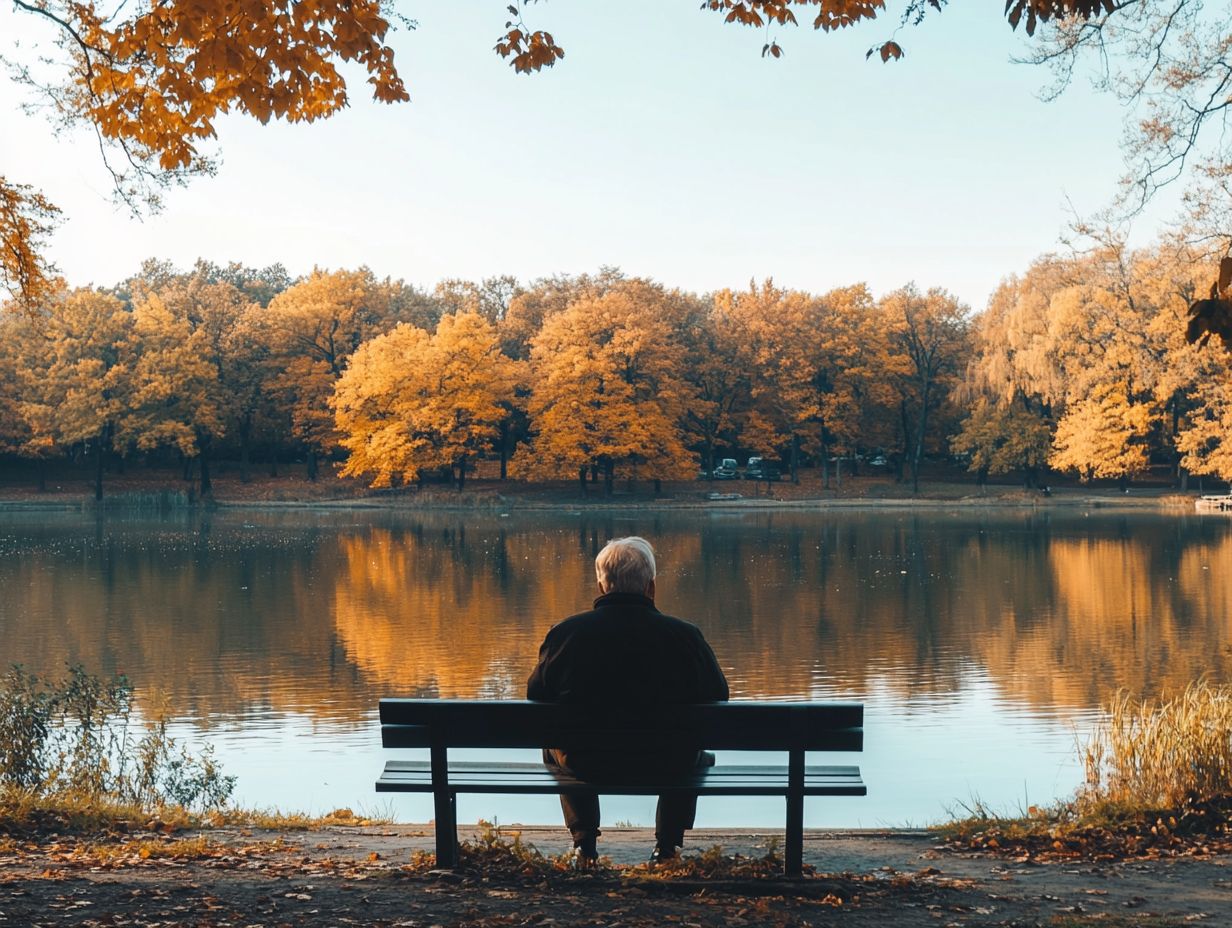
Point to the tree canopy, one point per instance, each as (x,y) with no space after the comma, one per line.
(151,79)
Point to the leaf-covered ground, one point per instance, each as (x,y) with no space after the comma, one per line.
(231,878)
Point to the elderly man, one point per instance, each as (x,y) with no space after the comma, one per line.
(626,652)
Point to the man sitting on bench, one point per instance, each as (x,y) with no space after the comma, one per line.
(625,652)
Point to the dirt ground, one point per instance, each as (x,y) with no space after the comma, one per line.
(379,876)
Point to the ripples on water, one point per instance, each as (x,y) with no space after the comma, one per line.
(981,644)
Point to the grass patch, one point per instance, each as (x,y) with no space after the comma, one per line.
(26,813)
(1158,783)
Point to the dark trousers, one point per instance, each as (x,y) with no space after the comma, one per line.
(674,813)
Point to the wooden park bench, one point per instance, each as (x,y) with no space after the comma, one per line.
(441,724)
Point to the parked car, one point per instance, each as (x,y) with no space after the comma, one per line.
(761,469)
(726,470)
(879,461)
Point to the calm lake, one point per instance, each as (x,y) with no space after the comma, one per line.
(981,643)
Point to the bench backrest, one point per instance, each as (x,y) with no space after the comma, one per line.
(515,723)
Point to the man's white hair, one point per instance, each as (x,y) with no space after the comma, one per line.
(625,565)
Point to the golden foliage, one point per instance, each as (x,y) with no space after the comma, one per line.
(156,79)
(410,401)
(73,368)
(169,400)
(152,79)
(311,329)
(607,389)
(25,218)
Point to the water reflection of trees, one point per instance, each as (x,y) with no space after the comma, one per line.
(277,616)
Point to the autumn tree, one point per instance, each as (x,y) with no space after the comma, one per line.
(26,217)
(855,399)
(15,431)
(1003,437)
(222,327)
(409,401)
(607,390)
(719,375)
(1104,434)
(778,329)
(1206,441)
(311,330)
(170,400)
(929,339)
(75,373)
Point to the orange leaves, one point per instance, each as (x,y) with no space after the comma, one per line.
(887,50)
(156,81)
(411,401)
(530,52)
(755,12)
(607,387)
(26,216)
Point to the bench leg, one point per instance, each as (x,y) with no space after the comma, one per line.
(793,851)
(446,809)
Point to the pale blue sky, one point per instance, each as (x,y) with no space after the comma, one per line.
(663,143)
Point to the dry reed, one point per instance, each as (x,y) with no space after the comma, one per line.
(1160,754)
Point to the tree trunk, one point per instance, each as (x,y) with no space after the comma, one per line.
(903,456)
(825,454)
(609,477)
(582,478)
(658,485)
(504,449)
(207,488)
(795,461)
(188,467)
(273,460)
(312,465)
(461,474)
(918,453)
(245,447)
(98,471)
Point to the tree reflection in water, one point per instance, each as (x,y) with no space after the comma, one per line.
(257,617)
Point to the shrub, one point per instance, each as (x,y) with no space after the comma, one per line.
(79,736)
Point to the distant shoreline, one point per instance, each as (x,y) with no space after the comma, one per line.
(515,503)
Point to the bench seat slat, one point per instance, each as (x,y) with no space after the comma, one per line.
(490,777)
(522,723)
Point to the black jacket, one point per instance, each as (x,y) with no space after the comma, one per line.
(626,652)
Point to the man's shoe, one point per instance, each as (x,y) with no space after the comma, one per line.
(662,853)
(586,855)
